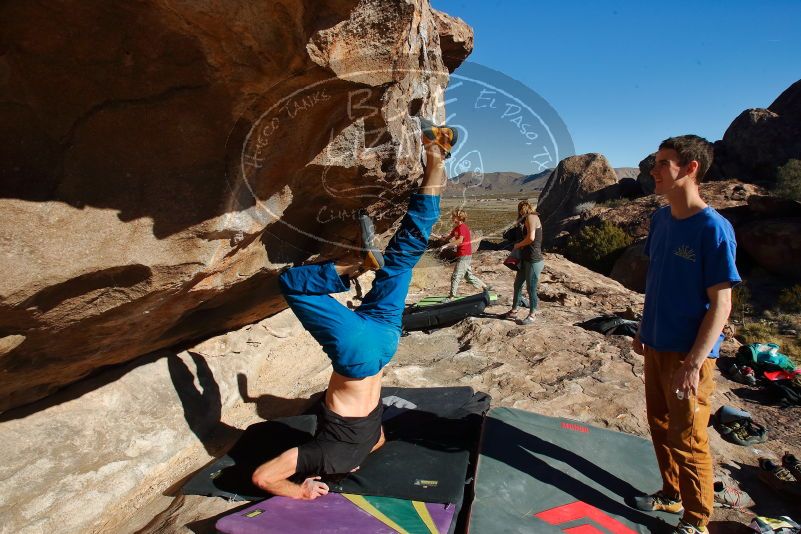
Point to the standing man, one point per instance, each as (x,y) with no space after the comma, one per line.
(459,238)
(359,342)
(692,269)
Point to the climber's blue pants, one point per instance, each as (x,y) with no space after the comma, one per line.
(361,342)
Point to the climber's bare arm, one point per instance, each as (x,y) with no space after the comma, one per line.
(273,477)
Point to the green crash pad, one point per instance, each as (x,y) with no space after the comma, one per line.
(547,474)
(433,300)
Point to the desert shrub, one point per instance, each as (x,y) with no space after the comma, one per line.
(793,350)
(765,332)
(584,206)
(759,332)
(740,301)
(790,299)
(789,321)
(598,246)
(788,180)
(615,203)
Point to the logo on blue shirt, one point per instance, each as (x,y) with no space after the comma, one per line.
(685,252)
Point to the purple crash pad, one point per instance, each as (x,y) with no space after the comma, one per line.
(330,513)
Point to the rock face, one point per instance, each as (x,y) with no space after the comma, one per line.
(645,179)
(730,198)
(576,180)
(774,244)
(455,39)
(759,140)
(631,267)
(161,161)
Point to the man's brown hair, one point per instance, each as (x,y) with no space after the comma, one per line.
(459,214)
(689,148)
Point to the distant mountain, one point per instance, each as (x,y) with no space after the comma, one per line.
(627,172)
(496,183)
(510,183)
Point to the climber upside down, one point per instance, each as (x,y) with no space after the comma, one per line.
(359,342)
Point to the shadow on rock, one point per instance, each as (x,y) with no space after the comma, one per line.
(271,406)
(769,502)
(202,407)
(516,449)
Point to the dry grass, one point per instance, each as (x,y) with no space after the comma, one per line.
(768,332)
(488,217)
(427,272)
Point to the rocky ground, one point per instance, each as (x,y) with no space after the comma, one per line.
(552,367)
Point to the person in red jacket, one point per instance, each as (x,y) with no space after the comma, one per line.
(459,238)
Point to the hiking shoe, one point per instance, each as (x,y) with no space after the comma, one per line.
(444,136)
(738,430)
(371,255)
(778,478)
(792,464)
(527,321)
(658,502)
(688,528)
(731,497)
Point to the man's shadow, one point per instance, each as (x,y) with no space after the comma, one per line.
(517,449)
(202,407)
(271,406)
(242,450)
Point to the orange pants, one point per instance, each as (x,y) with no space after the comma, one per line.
(678,430)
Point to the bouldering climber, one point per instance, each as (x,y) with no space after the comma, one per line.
(359,342)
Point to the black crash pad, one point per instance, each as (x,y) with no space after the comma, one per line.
(439,315)
(426,457)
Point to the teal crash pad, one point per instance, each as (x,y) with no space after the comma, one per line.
(547,474)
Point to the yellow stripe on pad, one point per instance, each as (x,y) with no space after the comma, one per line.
(425,516)
(362,503)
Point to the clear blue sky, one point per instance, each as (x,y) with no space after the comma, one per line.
(623,75)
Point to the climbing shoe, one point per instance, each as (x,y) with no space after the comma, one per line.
(658,502)
(778,478)
(687,528)
(792,464)
(444,136)
(372,258)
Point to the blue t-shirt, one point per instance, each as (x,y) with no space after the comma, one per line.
(687,256)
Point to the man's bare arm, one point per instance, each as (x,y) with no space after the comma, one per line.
(273,477)
(686,378)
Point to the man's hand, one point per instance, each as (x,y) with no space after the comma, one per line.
(312,488)
(686,380)
(636,345)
